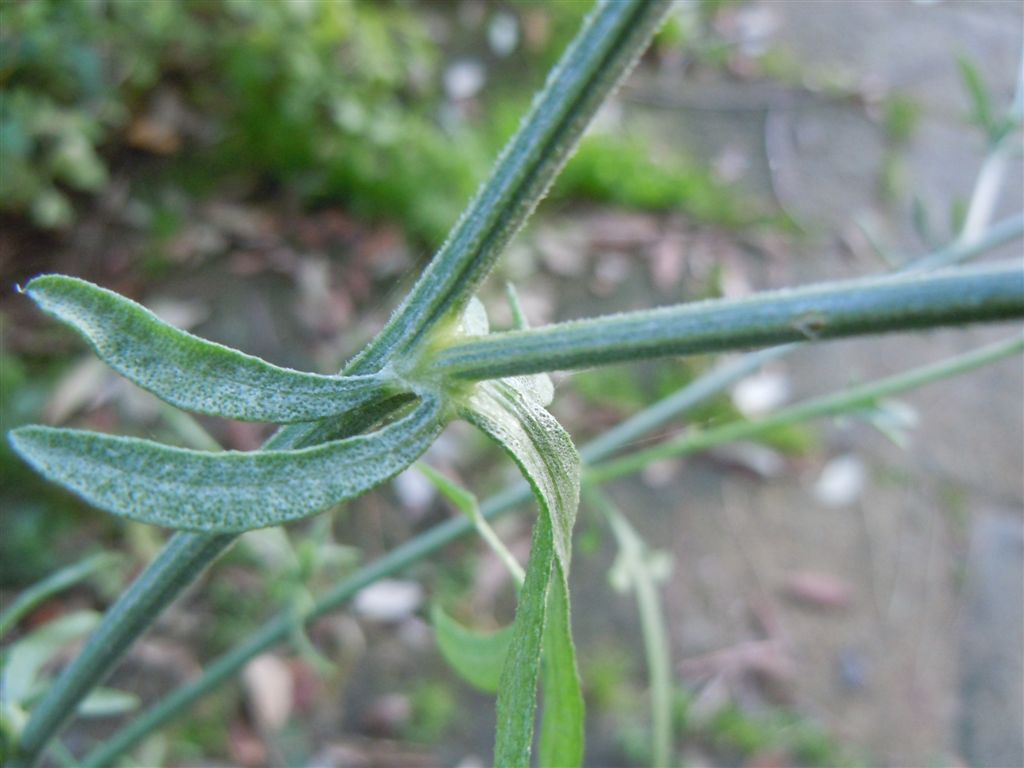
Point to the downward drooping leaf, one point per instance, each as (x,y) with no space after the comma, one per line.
(478,657)
(192,373)
(229,491)
(548,459)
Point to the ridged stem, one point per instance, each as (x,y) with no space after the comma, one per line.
(180,563)
(612,38)
(825,311)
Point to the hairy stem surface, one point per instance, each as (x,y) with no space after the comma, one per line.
(611,40)
(832,310)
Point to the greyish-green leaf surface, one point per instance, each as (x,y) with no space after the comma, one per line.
(478,657)
(229,491)
(549,461)
(192,373)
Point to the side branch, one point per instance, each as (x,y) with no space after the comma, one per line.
(825,311)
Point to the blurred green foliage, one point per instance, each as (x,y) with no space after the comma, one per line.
(900,117)
(340,101)
(316,92)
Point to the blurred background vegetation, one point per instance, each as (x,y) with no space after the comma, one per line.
(351,102)
(272,173)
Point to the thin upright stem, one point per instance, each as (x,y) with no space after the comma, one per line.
(825,311)
(180,563)
(611,40)
(636,561)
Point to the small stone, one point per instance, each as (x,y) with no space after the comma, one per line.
(389,600)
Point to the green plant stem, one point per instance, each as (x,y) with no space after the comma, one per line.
(51,585)
(728,373)
(829,405)
(634,556)
(181,561)
(279,628)
(612,38)
(660,413)
(436,538)
(831,310)
(469,505)
(610,42)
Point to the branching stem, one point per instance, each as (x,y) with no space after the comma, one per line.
(434,539)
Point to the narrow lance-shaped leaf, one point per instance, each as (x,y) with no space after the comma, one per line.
(192,373)
(549,461)
(25,658)
(478,657)
(224,492)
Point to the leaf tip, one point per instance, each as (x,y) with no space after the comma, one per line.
(24,439)
(38,288)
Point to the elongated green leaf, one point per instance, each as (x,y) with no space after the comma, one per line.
(478,657)
(549,461)
(51,585)
(982,113)
(26,657)
(192,373)
(561,725)
(229,491)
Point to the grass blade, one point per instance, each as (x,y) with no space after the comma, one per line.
(229,491)
(192,373)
